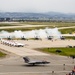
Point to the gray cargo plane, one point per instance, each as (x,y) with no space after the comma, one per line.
(34,62)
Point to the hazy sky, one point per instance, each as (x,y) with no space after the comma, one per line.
(66,6)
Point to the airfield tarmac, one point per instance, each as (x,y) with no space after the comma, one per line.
(14,65)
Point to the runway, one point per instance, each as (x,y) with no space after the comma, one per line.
(14,65)
(30,45)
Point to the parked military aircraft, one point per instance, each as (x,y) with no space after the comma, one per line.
(34,62)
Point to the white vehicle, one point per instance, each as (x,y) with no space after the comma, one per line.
(12,43)
(18,44)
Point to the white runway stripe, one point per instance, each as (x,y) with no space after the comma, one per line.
(34,72)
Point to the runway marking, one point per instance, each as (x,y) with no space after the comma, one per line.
(40,65)
(59,64)
(35,72)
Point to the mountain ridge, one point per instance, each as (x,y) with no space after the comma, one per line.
(48,15)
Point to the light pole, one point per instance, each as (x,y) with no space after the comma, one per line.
(73,57)
(63,66)
(52,72)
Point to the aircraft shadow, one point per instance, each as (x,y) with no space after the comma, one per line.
(27,65)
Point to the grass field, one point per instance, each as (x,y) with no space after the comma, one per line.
(22,29)
(66,31)
(2,54)
(64,51)
(63,31)
(2,25)
(49,25)
(70,37)
(57,24)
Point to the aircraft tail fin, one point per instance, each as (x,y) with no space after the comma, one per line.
(26,59)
